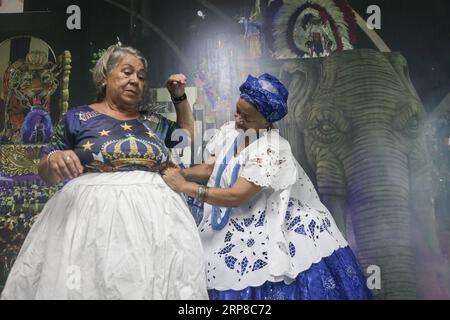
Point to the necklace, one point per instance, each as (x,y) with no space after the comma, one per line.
(218,218)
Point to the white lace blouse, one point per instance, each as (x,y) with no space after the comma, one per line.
(281,232)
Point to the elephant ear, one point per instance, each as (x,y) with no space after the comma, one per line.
(302,78)
(400,66)
(412,99)
(426,153)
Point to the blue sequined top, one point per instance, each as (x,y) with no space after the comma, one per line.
(105,144)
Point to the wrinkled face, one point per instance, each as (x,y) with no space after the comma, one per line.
(248,117)
(125,84)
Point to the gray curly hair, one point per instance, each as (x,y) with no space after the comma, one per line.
(107,62)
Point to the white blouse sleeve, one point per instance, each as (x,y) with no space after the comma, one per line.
(217,142)
(270,164)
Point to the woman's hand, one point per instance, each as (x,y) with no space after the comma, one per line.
(176,85)
(174,179)
(64,164)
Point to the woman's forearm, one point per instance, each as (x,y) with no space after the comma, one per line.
(220,197)
(199,174)
(185,118)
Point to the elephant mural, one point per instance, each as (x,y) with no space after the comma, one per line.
(356,126)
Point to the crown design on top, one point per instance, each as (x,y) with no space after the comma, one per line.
(134,151)
(36,60)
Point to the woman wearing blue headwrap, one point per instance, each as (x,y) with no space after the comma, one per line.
(265,233)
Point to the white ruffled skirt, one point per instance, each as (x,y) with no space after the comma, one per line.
(122,235)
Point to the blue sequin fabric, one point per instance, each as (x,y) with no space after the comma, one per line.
(337,277)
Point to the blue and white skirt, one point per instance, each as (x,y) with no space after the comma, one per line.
(336,277)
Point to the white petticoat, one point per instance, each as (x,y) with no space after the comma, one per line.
(122,235)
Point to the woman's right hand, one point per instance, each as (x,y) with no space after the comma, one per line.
(64,164)
(176,85)
(174,179)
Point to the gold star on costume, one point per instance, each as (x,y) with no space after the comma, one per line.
(126,127)
(151,134)
(104,133)
(88,146)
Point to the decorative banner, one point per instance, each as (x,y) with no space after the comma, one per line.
(30,74)
(312,28)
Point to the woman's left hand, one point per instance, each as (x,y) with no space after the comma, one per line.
(176,85)
(174,179)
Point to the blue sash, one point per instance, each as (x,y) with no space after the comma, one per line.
(218,222)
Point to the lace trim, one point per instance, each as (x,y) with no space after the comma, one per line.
(242,286)
(335,277)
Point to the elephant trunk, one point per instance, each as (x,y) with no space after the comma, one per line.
(377,199)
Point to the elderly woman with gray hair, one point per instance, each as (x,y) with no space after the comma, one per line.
(115,230)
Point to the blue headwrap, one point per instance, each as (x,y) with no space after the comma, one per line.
(268,95)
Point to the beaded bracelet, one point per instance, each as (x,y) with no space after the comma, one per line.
(52,153)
